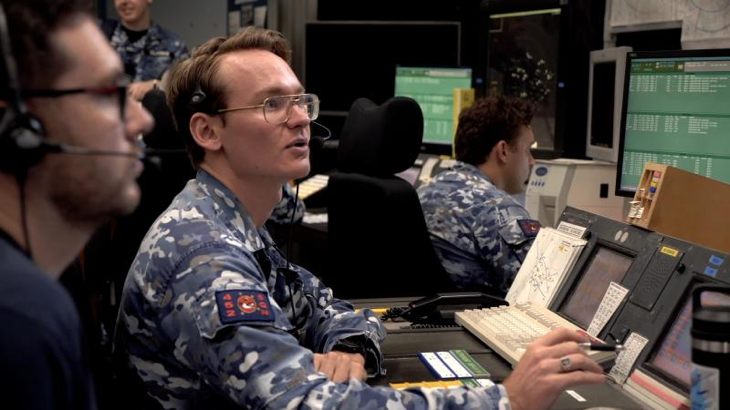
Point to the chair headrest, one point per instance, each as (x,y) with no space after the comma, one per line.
(380,141)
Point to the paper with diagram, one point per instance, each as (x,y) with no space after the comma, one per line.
(546,265)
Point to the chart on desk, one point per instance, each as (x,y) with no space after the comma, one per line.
(543,271)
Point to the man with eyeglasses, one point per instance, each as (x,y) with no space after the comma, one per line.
(212,314)
(208,279)
(62,104)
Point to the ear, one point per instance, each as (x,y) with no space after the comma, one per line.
(204,133)
(501,150)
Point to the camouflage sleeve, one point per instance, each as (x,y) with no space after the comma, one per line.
(252,359)
(506,247)
(282,211)
(333,320)
(325,320)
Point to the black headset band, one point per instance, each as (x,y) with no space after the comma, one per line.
(21,134)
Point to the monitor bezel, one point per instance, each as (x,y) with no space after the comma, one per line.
(575,279)
(616,55)
(634,55)
(655,371)
(434,144)
(563,124)
(341,108)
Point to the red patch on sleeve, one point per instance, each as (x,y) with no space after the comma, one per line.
(240,306)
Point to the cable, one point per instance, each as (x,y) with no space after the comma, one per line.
(291,225)
(287,271)
(20,178)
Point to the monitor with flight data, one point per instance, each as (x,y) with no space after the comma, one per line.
(675,113)
(433,89)
(605,266)
(673,357)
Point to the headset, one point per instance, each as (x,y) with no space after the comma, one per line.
(21,133)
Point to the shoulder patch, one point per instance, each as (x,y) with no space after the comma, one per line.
(530,227)
(240,306)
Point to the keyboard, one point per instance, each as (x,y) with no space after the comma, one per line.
(509,329)
(312,185)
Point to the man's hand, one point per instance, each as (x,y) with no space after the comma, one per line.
(138,89)
(551,364)
(340,366)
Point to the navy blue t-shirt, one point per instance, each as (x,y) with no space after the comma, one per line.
(43,362)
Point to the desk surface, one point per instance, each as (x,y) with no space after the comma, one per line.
(402,346)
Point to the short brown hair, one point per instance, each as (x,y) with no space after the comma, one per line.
(193,85)
(487,122)
(31,25)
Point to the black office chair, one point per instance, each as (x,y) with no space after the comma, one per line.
(379,243)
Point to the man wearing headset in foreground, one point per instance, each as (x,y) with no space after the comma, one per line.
(213,316)
(68,164)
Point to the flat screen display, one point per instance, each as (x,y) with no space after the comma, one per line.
(675,113)
(350,60)
(433,90)
(673,357)
(604,267)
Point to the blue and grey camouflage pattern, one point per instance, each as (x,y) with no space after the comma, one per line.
(282,211)
(188,353)
(151,55)
(480,233)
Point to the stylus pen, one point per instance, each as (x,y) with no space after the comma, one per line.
(602,348)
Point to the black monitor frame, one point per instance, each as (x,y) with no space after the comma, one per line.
(602,233)
(656,371)
(599,245)
(578,36)
(655,322)
(364,66)
(619,191)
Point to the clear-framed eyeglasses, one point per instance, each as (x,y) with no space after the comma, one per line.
(277,109)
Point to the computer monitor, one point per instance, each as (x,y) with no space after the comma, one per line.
(675,112)
(605,266)
(433,89)
(672,358)
(347,60)
(606,72)
(523,53)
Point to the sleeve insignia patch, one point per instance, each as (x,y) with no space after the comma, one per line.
(530,227)
(241,306)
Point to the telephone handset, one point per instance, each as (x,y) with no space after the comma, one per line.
(441,307)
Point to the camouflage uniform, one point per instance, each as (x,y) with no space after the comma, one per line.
(282,211)
(480,232)
(193,350)
(151,55)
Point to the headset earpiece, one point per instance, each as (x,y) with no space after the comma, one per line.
(21,133)
(198,97)
(21,142)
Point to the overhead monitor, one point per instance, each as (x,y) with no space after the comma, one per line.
(522,62)
(347,60)
(606,72)
(672,359)
(605,266)
(433,89)
(675,112)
